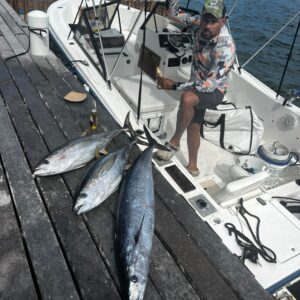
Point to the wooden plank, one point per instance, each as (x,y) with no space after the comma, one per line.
(54,61)
(12,12)
(85,262)
(14,268)
(232,270)
(167,276)
(53,278)
(14,27)
(102,228)
(4,74)
(205,279)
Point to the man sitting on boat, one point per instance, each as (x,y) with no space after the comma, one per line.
(213,57)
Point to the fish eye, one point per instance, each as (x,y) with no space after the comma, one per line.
(134,279)
(82,195)
(46,162)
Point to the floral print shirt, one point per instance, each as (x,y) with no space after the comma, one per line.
(212,59)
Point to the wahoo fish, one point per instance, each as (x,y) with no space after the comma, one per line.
(77,153)
(135,224)
(101,180)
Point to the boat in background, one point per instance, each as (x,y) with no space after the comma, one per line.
(110,43)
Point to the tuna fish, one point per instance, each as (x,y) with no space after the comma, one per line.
(74,154)
(77,153)
(135,225)
(101,180)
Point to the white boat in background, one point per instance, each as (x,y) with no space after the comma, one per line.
(226,176)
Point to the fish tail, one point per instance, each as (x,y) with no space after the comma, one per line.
(134,134)
(153,142)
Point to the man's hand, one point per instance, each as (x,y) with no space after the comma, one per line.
(164,83)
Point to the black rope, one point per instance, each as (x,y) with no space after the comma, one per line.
(287,62)
(33,30)
(250,250)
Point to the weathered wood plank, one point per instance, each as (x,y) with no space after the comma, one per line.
(205,279)
(54,279)
(15,16)
(107,242)
(10,21)
(211,246)
(91,276)
(102,227)
(12,46)
(16,281)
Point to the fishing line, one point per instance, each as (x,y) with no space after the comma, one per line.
(272,38)
(234,5)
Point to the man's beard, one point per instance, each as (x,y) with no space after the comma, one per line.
(207,34)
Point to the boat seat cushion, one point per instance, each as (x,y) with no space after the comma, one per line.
(153,100)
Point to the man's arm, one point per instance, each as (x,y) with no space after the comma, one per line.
(178,16)
(223,61)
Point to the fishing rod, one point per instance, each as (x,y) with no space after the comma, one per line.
(286,65)
(272,38)
(142,58)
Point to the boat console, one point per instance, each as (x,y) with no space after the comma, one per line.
(173,49)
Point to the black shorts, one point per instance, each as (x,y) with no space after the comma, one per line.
(206,100)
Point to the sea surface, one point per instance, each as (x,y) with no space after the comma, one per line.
(252,24)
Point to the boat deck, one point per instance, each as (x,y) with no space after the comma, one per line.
(46,251)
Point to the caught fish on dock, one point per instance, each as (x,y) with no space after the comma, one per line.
(77,153)
(74,154)
(135,224)
(101,180)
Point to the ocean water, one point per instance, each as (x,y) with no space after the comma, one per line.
(252,24)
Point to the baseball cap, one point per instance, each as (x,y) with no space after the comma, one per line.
(214,7)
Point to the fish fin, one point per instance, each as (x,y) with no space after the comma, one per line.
(127,166)
(85,132)
(107,165)
(138,234)
(134,134)
(97,152)
(152,141)
(103,151)
(127,125)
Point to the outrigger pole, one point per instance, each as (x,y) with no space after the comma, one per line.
(142,58)
(286,65)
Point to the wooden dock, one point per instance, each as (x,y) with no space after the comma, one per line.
(46,251)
